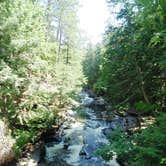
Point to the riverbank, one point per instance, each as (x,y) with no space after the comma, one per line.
(84,129)
(80,131)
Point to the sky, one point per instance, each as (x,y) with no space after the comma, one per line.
(93,16)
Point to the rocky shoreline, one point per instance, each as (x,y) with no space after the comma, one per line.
(78,138)
(6,144)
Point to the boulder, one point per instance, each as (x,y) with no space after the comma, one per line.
(98,104)
(6,144)
(90,92)
(66,143)
(51,135)
(92,124)
(122,123)
(70,113)
(131,122)
(87,101)
(107,131)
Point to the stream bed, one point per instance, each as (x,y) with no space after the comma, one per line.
(77,139)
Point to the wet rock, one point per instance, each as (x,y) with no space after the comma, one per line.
(124,123)
(117,123)
(98,104)
(87,101)
(92,124)
(88,152)
(66,125)
(82,153)
(71,113)
(91,143)
(100,101)
(53,138)
(90,92)
(107,131)
(108,115)
(51,135)
(66,143)
(131,122)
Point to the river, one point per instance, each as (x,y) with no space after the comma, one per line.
(78,140)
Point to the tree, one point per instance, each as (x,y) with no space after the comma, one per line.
(33,88)
(62,21)
(132,77)
(134,58)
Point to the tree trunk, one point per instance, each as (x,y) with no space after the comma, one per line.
(58,29)
(67,54)
(48,19)
(142,84)
(59,47)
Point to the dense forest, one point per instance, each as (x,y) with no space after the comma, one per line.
(39,54)
(129,69)
(44,64)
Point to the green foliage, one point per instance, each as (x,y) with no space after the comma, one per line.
(150,144)
(33,86)
(105,152)
(133,62)
(132,76)
(163,161)
(146,148)
(91,64)
(145,107)
(119,143)
(22,138)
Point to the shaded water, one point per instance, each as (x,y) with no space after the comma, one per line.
(79,140)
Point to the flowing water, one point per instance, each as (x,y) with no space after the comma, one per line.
(79,140)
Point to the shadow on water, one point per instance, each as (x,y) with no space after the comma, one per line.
(77,141)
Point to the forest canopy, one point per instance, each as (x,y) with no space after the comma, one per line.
(129,69)
(44,64)
(38,60)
